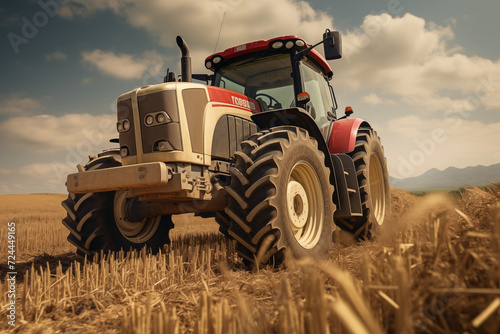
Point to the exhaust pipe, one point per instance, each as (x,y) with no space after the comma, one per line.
(185,60)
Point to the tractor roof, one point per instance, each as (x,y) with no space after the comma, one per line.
(257,46)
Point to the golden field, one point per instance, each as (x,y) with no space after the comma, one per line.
(434,268)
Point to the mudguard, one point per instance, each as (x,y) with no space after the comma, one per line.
(343,135)
(295,117)
(302,119)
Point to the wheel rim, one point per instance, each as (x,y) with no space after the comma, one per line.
(305,204)
(377,188)
(136,232)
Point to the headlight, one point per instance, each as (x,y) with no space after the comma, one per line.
(160,118)
(126,125)
(157,118)
(123,125)
(149,120)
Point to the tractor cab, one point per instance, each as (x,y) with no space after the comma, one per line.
(280,73)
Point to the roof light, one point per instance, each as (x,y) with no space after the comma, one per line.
(277,45)
(208,64)
(348,111)
(217,60)
(119,126)
(289,44)
(300,43)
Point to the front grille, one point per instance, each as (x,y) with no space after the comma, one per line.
(170,132)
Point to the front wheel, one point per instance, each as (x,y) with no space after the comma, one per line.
(280,197)
(97,222)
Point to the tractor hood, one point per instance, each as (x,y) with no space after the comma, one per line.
(170,121)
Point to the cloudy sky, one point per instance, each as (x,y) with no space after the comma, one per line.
(424,73)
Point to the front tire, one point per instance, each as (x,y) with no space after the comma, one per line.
(96,220)
(280,197)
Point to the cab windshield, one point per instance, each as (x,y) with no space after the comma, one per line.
(265,79)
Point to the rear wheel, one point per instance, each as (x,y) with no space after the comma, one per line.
(373,181)
(280,197)
(97,221)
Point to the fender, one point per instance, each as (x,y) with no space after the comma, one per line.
(343,135)
(294,117)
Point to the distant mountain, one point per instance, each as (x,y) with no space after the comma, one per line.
(450,178)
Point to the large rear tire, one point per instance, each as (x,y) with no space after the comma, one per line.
(96,221)
(280,197)
(373,180)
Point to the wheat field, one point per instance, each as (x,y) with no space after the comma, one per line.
(433,268)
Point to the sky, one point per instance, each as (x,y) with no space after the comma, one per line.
(424,73)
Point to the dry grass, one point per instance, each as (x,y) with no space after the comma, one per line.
(38,224)
(40,232)
(433,269)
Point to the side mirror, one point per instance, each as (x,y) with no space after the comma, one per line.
(332,44)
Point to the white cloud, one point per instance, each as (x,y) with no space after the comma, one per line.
(56,56)
(78,134)
(124,66)
(89,7)
(17,104)
(68,139)
(414,145)
(35,178)
(37,170)
(198,22)
(374,99)
(416,60)
(402,56)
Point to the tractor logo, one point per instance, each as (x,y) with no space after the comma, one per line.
(237,101)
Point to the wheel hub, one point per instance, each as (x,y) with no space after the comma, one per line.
(305,204)
(137,232)
(377,188)
(298,206)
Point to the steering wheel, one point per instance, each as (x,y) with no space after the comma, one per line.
(277,105)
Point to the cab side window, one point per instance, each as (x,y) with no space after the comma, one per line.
(316,85)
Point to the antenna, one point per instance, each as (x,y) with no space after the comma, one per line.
(220,30)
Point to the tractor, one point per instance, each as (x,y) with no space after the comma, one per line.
(259,146)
